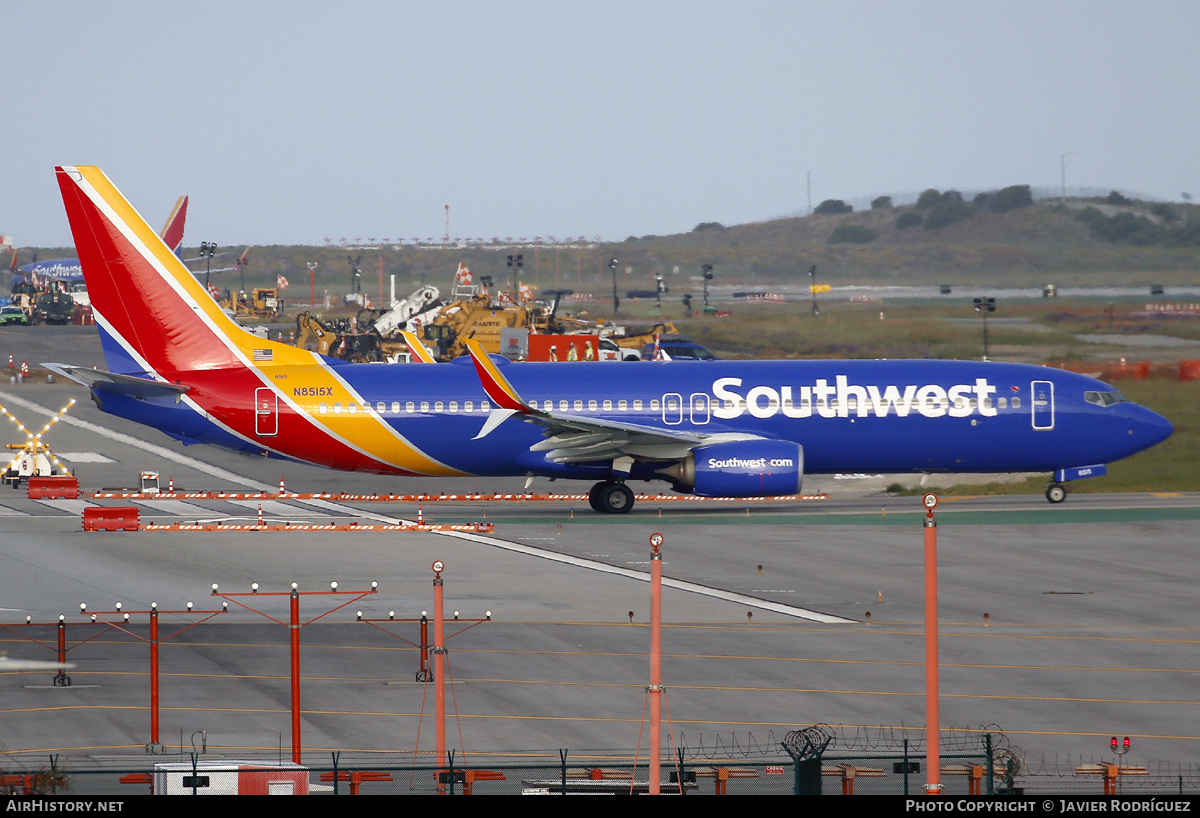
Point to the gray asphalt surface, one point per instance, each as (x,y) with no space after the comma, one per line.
(1090,627)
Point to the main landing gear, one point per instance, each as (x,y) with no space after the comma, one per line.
(610,497)
(1056,493)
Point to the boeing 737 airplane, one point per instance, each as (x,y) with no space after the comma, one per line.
(711,428)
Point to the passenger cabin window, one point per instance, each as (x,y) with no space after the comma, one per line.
(622,405)
(637,406)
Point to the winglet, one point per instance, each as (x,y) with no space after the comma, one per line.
(172,232)
(495,384)
(416,348)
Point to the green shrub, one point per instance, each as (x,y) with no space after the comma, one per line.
(852,234)
(832,207)
(907,219)
(928,199)
(881,203)
(1011,198)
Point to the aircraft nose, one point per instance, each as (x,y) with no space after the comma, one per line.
(1148,427)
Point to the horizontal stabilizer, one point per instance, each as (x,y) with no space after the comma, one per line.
(114,383)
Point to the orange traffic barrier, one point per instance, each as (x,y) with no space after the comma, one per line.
(466,497)
(479,528)
(59,486)
(110,518)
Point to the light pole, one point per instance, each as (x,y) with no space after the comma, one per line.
(208,249)
(658,293)
(312,283)
(707,270)
(984,306)
(812,288)
(612,265)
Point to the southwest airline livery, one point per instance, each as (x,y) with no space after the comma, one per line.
(716,429)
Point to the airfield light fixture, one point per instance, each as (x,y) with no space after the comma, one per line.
(333,586)
(224,606)
(154,606)
(295,586)
(118,606)
(83,607)
(125,617)
(374,586)
(391,614)
(253,587)
(359,615)
(62,617)
(488,614)
(214,587)
(456,614)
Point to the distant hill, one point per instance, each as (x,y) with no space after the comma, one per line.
(1029,245)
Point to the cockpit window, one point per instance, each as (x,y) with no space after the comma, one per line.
(1105,398)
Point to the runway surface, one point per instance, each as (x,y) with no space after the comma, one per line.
(1061,625)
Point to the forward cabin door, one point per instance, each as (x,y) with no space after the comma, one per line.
(1043,404)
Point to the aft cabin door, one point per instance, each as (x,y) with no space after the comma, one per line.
(1043,404)
(266,412)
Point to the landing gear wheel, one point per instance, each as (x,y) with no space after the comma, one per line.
(594,497)
(1056,493)
(615,498)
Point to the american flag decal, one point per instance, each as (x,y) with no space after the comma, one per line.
(264,355)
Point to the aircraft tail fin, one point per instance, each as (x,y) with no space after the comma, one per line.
(172,232)
(154,316)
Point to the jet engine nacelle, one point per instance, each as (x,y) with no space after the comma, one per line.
(743,468)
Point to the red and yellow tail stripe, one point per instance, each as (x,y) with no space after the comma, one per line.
(160,313)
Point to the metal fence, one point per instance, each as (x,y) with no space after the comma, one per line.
(841,775)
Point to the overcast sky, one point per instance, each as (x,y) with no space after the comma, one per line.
(291,122)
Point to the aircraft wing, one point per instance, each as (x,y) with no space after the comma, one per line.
(576,439)
(114,382)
